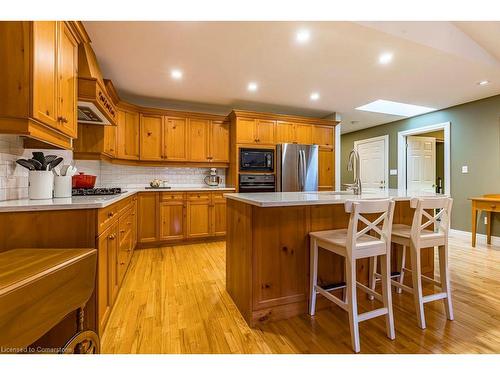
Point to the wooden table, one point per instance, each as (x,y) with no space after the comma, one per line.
(488,203)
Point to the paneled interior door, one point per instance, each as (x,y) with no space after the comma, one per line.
(374,166)
(421,163)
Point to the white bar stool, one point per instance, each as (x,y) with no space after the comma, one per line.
(353,244)
(416,238)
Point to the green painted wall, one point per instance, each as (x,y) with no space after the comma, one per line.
(475,141)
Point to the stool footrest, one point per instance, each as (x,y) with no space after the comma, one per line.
(334,286)
(402,286)
(372,314)
(435,282)
(331,297)
(434,297)
(371,292)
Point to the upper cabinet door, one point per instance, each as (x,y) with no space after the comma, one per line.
(303,134)
(323,136)
(219,141)
(128,135)
(176,139)
(110,140)
(245,131)
(67,70)
(326,170)
(285,132)
(198,140)
(151,137)
(265,132)
(45,80)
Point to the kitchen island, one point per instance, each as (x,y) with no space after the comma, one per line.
(267,249)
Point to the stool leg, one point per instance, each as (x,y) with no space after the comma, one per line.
(417,284)
(314,275)
(385,266)
(352,307)
(444,275)
(401,270)
(372,279)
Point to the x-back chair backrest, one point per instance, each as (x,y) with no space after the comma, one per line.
(423,220)
(382,225)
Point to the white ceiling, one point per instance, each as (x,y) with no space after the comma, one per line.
(436,64)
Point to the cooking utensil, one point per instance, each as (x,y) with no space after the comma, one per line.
(26,164)
(64,169)
(54,163)
(36,164)
(57,171)
(83,181)
(38,156)
(50,158)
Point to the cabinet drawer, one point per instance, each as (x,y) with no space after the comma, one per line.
(218,196)
(171,196)
(198,196)
(488,206)
(105,217)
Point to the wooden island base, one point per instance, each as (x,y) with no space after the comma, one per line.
(267,256)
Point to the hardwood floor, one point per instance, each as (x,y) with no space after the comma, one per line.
(173,300)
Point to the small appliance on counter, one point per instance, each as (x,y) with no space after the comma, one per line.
(212,180)
(83,181)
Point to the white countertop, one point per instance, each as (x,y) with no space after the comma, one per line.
(320,197)
(86,202)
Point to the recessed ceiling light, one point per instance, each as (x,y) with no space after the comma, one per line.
(483,83)
(395,108)
(176,74)
(252,86)
(303,36)
(385,58)
(314,96)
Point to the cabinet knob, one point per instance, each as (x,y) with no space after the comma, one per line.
(149,134)
(112,236)
(110,214)
(266,286)
(122,231)
(493,206)
(122,263)
(47,112)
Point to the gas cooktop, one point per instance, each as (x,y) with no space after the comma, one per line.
(96,191)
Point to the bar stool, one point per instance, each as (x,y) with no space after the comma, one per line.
(354,244)
(416,238)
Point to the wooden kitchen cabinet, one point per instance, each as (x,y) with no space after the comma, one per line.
(326,171)
(151,136)
(323,136)
(245,130)
(285,132)
(147,217)
(218,214)
(172,217)
(303,134)
(265,131)
(127,144)
(176,139)
(39,88)
(219,141)
(198,216)
(110,141)
(198,140)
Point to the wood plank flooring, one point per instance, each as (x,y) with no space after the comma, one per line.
(173,300)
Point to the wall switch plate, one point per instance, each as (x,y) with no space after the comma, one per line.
(486,220)
(393,172)
(465,169)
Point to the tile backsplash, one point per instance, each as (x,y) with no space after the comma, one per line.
(14,178)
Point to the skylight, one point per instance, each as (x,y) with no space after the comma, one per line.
(395,108)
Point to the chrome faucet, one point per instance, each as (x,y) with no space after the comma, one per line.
(353,164)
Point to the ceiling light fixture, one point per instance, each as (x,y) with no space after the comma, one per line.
(176,74)
(252,86)
(483,83)
(385,58)
(395,108)
(314,96)
(303,36)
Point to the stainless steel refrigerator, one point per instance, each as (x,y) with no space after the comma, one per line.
(296,167)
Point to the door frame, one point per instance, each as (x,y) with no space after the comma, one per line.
(385,138)
(445,126)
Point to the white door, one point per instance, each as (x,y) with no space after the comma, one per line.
(373,161)
(421,163)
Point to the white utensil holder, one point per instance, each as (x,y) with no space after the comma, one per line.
(62,186)
(41,184)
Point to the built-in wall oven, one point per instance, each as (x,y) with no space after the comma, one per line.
(257,183)
(256,160)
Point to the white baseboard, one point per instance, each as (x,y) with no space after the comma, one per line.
(480,238)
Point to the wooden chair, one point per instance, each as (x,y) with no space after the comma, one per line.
(353,243)
(417,237)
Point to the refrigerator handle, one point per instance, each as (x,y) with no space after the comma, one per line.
(304,169)
(300,171)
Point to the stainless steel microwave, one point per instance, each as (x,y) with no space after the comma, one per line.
(255,159)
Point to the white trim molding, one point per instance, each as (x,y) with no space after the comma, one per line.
(445,126)
(337,156)
(385,138)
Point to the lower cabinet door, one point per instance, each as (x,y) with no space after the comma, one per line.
(113,249)
(171,220)
(198,218)
(219,214)
(147,217)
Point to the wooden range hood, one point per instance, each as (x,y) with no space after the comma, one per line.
(92,96)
